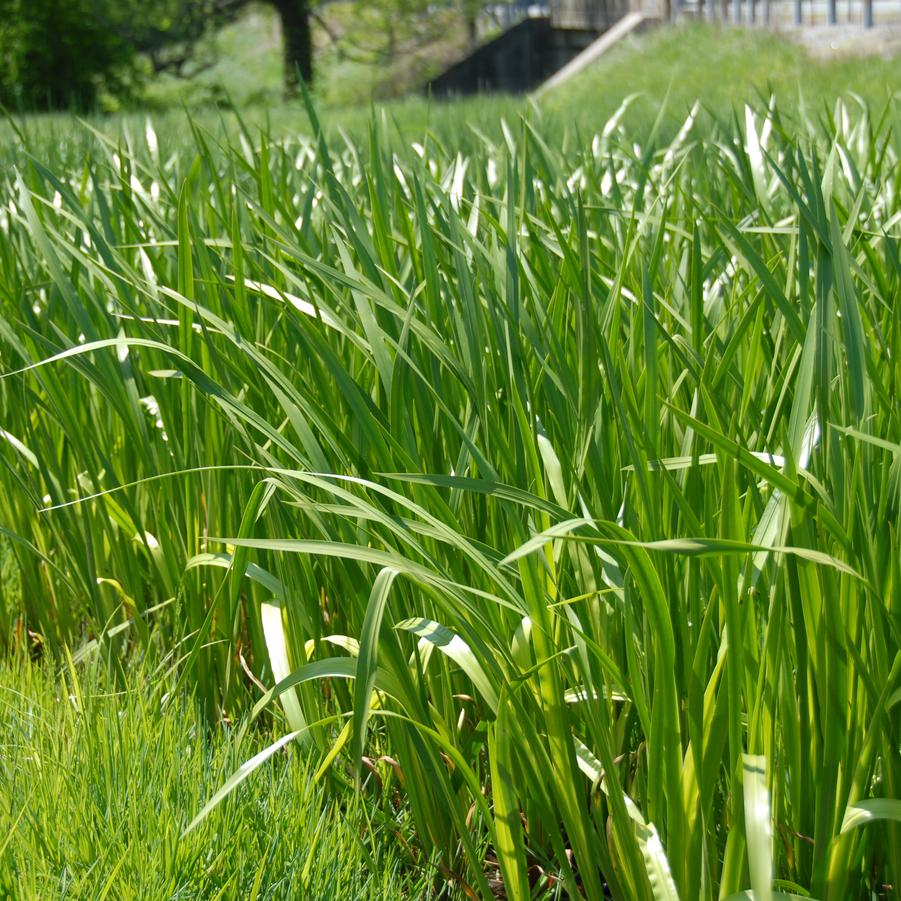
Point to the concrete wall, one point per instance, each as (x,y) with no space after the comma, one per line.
(587,14)
(514,62)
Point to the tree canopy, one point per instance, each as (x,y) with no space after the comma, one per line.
(57,54)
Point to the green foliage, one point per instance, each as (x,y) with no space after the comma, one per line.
(101,776)
(549,480)
(363,50)
(82,54)
(60,54)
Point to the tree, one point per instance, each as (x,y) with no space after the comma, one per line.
(57,54)
(471,10)
(297,41)
(171,40)
(170,32)
(63,54)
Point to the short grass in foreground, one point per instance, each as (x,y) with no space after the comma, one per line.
(100,777)
(551,476)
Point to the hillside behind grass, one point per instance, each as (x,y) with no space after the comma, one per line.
(722,69)
(663,72)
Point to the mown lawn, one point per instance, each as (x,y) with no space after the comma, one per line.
(101,776)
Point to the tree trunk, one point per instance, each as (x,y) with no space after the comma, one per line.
(297,42)
(471,10)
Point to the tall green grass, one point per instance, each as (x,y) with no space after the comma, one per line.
(552,483)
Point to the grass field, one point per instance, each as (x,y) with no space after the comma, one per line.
(100,778)
(501,497)
(667,71)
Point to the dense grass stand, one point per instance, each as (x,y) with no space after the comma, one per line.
(539,496)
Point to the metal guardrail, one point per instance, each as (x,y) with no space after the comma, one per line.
(597,15)
(797,13)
